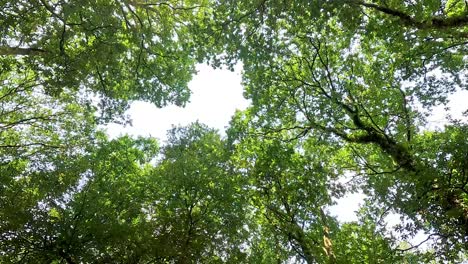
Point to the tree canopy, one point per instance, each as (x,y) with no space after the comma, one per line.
(341,93)
(119,51)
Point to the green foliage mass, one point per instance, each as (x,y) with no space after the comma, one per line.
(341,93)
(118,51)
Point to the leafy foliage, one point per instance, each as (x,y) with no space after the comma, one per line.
(340,91)
(117,50)
(319,71)
(198,202)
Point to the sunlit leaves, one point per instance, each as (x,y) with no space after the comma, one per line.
(198,198)
(339,89)
(360,85)
(117,50)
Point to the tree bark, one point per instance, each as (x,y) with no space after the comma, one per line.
(432,23)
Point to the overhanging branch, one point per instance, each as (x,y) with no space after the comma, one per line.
(16,51)
(432,23)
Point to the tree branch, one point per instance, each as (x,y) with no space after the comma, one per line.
(434,22)
(16,51)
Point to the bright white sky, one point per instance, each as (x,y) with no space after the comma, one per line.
(216,94)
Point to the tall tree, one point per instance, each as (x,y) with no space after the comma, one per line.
(125,203)
(42,144)
(197,203)
(291,185)
(116,50)
(364,76)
